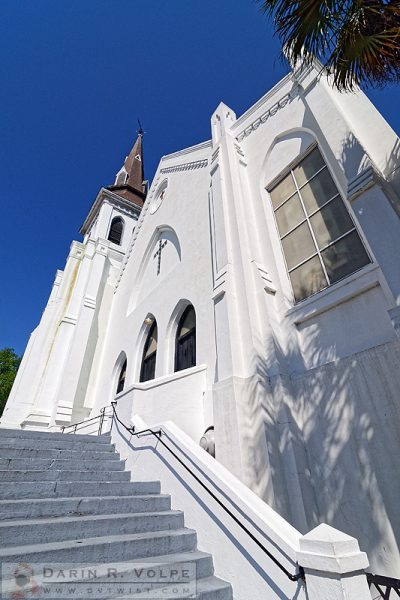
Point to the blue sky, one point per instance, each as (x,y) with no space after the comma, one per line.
(75,75)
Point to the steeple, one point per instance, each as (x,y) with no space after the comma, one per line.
(129,181)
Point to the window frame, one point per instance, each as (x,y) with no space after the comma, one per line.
(307,219)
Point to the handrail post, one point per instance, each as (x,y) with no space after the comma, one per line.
(333,564)
(101,420)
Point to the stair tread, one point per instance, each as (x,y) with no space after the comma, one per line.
(61,498)
(108,539)
(56,435)
(72,519)
(161,559)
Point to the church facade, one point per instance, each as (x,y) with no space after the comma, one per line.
(250,296)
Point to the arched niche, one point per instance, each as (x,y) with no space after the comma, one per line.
(162,255)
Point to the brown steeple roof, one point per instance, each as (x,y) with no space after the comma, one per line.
(129,183)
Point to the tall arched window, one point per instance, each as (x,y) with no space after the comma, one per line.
(115,233)
(320,241)
(121,377)
(148,369)
(185,347)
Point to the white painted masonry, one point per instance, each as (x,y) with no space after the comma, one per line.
(303,397)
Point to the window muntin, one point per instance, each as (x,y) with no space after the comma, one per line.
(319,239)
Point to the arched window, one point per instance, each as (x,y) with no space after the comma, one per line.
(148,369)
(115,233)
(320,241)
(185,347)
(122,376)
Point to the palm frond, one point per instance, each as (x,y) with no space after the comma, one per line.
(358,41)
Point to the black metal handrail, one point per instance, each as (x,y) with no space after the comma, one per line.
(384,585)
(101,416)
(157,434)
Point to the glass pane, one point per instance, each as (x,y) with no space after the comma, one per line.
(308,279)
(331,222)
(282,191)
(189,322)
(289,215)
(152,343)
(308,167)
(298,246)
(345,257)
(318,191)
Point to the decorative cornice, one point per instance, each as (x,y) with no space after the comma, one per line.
(107,197)
(202,146)
(198,164)
(270,112)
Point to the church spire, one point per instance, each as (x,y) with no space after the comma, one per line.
(129,182)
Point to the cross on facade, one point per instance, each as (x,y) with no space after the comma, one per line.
(161,245)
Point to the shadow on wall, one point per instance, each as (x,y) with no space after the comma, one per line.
(332,436)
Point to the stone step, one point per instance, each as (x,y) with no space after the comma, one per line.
(62,507)
(54,453)
(56,475)
(104,549)
(124,571)
(29,434)
(51,489)
(56,529)
(209,588)
(213,588)
(40,464)
(51,444)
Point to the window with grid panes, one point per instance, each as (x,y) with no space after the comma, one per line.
(319,239)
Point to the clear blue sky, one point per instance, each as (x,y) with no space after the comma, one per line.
(75,75)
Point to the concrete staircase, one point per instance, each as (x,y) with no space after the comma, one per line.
(67,499)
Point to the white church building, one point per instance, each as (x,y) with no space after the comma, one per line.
(251,297)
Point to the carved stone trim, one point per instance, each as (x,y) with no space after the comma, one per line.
(361,182)
(89,302)
(268,113)
(70,320)
(198,164)
(266,279)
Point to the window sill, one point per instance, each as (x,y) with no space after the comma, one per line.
(357,283)
(163,379)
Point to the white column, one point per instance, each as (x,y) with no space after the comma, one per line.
(72,388)
(334,565)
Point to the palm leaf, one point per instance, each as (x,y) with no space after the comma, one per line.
(358,41)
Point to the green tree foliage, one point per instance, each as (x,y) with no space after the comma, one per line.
(9,363)
(358,41)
